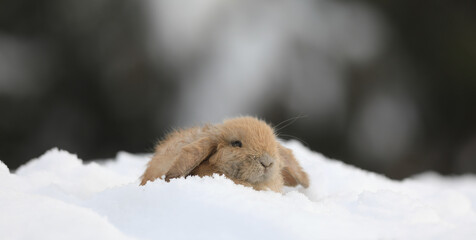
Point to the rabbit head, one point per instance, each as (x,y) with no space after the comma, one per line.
(243,149)
(246,150)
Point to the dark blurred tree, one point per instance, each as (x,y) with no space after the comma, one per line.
(101,90)
(440,37)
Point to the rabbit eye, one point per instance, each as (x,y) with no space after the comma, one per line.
(236,143)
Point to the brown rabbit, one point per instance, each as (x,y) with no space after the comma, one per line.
(243,149)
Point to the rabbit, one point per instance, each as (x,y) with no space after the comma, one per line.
(243,149)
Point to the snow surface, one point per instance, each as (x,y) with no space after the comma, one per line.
(58,197)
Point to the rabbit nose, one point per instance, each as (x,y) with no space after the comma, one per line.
(266,161)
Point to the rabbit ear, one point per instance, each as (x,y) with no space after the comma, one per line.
(180,153)
(292,172)
(191,156)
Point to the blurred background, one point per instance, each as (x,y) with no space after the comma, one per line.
(389,86)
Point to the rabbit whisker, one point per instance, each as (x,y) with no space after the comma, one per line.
(288,122)
(296,138)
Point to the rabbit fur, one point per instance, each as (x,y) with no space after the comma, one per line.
(243,149)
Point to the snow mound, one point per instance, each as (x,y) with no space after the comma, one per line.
(58,197)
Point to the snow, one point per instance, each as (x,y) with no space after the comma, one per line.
(57,196)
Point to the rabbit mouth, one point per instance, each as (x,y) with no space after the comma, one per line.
(260,174)
(254,173)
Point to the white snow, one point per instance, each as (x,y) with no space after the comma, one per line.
(58,197)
